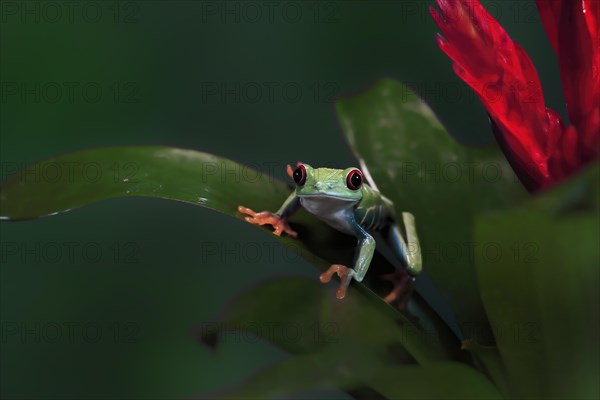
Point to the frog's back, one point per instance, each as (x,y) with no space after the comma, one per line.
(375,211)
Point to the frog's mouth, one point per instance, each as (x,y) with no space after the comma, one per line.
(326,197)
(325,205)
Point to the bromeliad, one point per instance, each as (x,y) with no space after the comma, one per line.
(343,200)
(538,145)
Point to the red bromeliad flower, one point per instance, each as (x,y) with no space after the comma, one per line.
(539,147)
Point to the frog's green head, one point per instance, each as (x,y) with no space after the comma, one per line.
(342,184)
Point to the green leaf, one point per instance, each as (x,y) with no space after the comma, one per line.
(296,374)
(439,381)
(540,287)
(343,344)
(258,311)
(309,372)
(274,311)
(76,179)
(489,361)
(416,163)
(202,179)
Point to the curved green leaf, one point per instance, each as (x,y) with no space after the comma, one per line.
(205,180)
(76,179)
(258,311)
(416,163)
(489,361)
(308,372)
(272,310)
(445,380)
(339,344)
(540,288)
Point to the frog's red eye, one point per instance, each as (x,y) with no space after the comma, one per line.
(354,179)
(299,175)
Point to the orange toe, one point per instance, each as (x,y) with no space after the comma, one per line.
(401,289)
(345,277)
(279,224)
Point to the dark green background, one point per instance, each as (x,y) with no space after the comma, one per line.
(162,56)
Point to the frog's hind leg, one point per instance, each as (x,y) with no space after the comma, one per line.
(402,283)
(409,251)
(409,254)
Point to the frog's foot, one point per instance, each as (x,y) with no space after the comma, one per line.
(402,282)
(345,275)
(279,224)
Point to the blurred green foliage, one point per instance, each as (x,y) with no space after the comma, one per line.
(539,321)
(157,65)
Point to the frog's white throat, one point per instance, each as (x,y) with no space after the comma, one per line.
(332,210)
(323,205)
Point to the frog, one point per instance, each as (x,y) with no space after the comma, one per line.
(349,201)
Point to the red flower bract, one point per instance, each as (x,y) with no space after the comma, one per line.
(539,147)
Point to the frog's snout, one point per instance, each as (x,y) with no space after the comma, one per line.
(323,186)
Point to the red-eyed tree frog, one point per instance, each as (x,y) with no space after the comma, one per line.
(343,199)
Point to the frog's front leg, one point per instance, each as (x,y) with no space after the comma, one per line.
(364,255)
(278,220)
